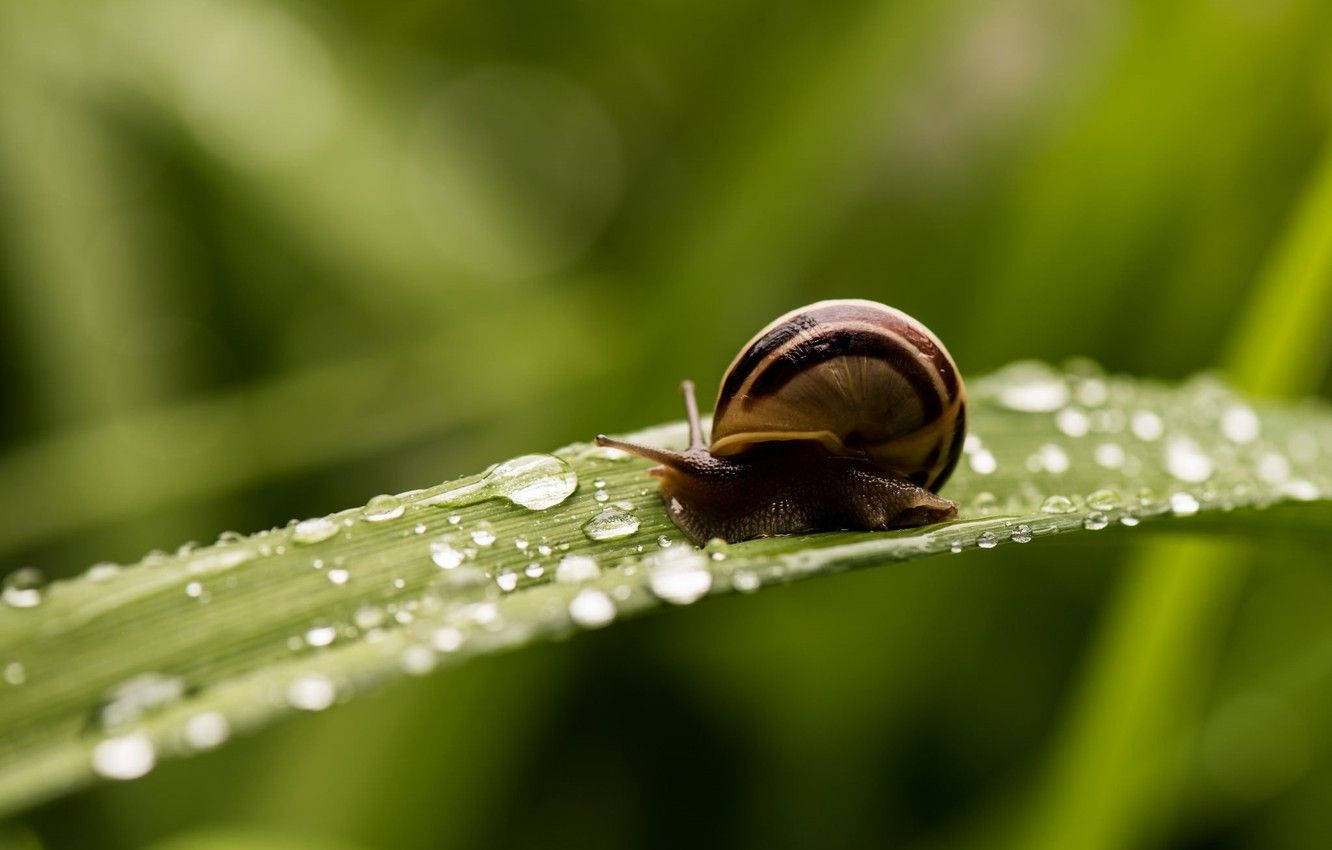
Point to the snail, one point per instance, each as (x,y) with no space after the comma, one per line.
(845,414)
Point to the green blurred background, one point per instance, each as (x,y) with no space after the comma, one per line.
(263,260)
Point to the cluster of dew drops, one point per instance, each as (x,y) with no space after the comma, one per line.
(675,573)
(1207,447)
(1214,451)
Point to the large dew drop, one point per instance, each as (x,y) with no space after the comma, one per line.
(679,575)
(535,482)
(22,588)
(592,608)
(314,530)
(126,757)
(610,524)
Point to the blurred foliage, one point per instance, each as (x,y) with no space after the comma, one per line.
(260,260)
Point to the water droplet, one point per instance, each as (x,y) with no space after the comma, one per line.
(447,639)
(227,538)
(221,559)
(1051,458)
(1183,504)
(717,549)
(1146,425)
(1093,392)
(599,483)
(320,635)
(1033,388)
(577,568)
(125,757)
(417,660)
(1186,460)
(601,496)
(1073,422)
(311,692)
(507,580)
(1239,424)
(745,581)
(419,528)
(679,575)
(987,540)
(368,617)
(15,673)
(1273,467)
(982,462)
(444,555)
(1109,455)
(454,519)
(1095,521)
(206,730)
(103,571)
(544,551)
(520,544)
(534,570)
(314,530)
(383,508)
(338,576)
(591,608)
(22,588)
(610,524)
(955,547)
(1301,490)
(194,589)
(1022,534)
(483,534)
(535,482)
(1129,521)
(1057,505)
(1104,500)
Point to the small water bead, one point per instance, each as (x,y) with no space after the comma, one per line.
(1032,387)
(1104,500)
(126,757)
(22,588)
(544,550)
(507,580)
(338,576)
(679,575)
(534,570)
(1057,504)
(520,544)
(1022,534)
(1301,490)
(443,553)
(745,581)
(227,538)
(1049,457)
(1146,425)
(417,660)
(1185,460)
(447,639)
(315,530)
(103,571)
(611,524)
(599,483)
(1273,468)
(717,549)
(311,692)
(987,540)
(982,462)
(601,496)
(1095,521)
(320,635)
(955,547)
(1183,504)
(1109,455)
(15,673)
(1129,520)
(368,617)
(454,519)
(1093,392)
(206,730)
(1240,424)
(484,613)
(664,542)
(573,569)
(535,482)
(194,590)
(591,608)
(483,534)
(383,508)
(1073,422)
(419,528)
(222,559)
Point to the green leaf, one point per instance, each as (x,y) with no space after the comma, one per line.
(111,672)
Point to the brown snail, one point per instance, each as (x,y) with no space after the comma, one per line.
(844,414)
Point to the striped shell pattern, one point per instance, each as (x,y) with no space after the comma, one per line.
(857,376)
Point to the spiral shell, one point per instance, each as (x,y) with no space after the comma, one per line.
(859,377)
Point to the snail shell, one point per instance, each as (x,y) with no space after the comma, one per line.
(860,378)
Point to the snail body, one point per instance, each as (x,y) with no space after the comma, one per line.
(844,414)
